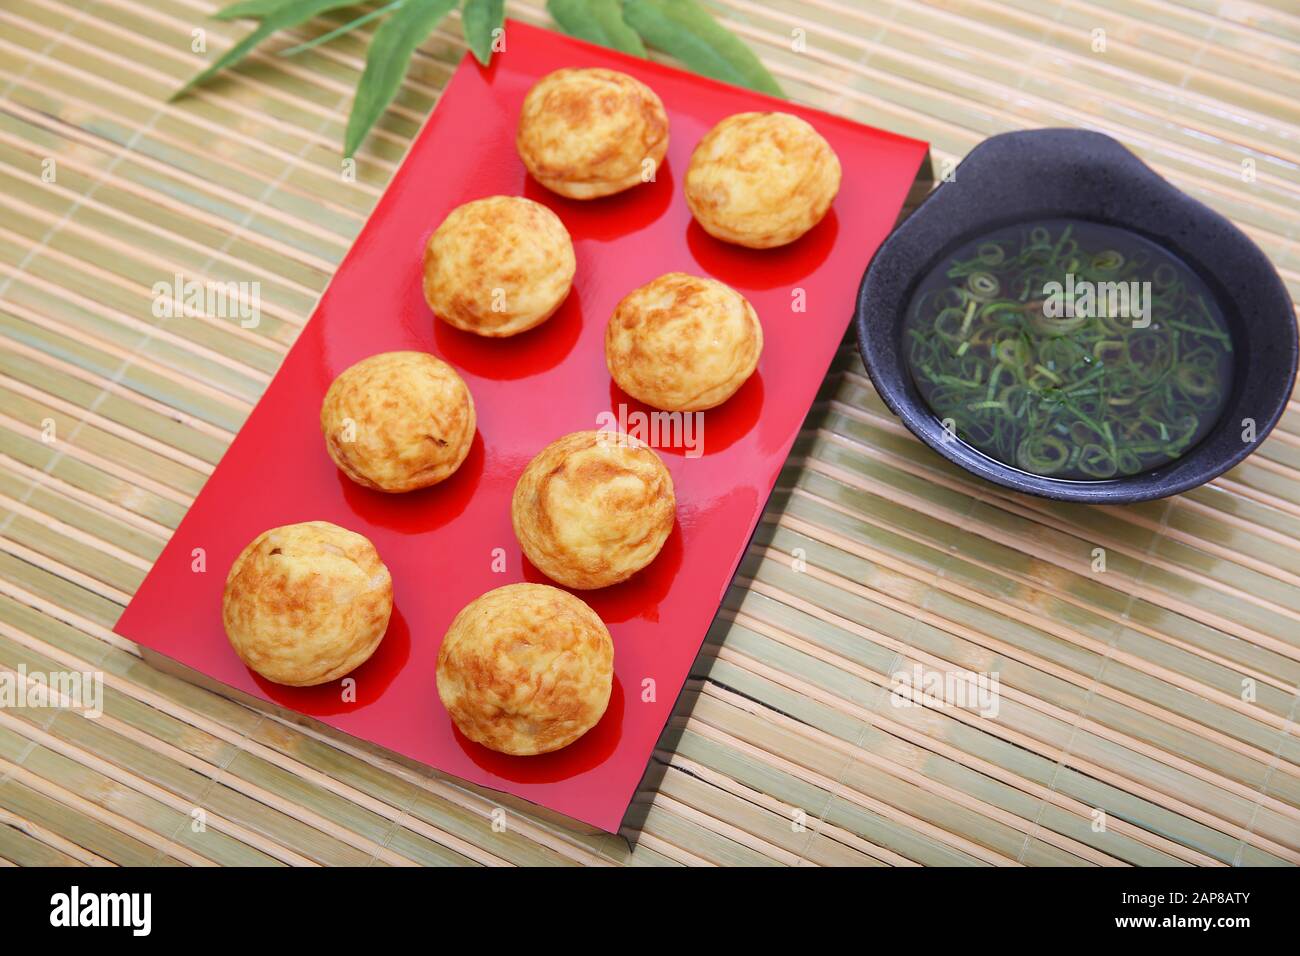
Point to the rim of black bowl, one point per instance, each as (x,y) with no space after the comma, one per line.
(1079,174)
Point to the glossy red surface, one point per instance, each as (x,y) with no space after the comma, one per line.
(440,543)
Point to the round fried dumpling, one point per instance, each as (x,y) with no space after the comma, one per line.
(498,266)
(398,421)
(593,508)
(683,343)
(761,179)
(307,603)
(526,669)
(589,133)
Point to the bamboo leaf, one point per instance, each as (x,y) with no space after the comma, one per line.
(480,18)
(684,29)
(386,61)
(282,16)
(339,31)
(597,21)
(681,28)
(253,9)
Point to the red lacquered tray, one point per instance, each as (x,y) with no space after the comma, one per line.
(444,543)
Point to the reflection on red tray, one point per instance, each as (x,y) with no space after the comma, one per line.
(443,544)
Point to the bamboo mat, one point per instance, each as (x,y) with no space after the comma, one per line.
(1126,733)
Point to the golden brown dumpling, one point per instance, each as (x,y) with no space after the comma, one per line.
(307,603)
(593,508)
(526,669)
(398,421)
(498,266)
(591,132)
(761,179)
(683,343)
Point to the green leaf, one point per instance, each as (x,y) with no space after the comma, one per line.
(480,18)
(339,31)
(684,29)
(253,9)
(597,21)
(386,60)
(284,15)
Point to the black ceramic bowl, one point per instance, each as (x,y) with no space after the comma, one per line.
(1076,174)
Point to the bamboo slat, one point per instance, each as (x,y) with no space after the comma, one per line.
(1147,713)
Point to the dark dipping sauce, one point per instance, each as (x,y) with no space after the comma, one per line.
(1069,349)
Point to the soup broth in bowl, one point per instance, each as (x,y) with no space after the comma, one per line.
(1069,349)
